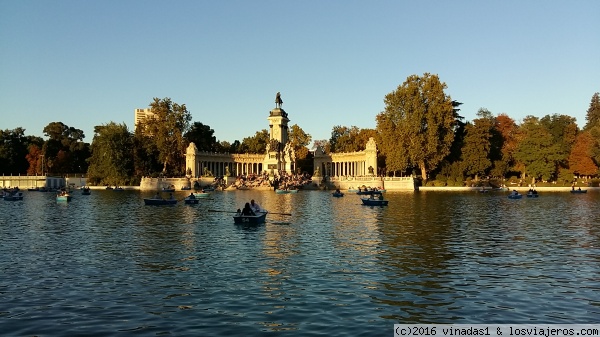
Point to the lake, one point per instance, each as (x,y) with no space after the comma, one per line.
(107,265)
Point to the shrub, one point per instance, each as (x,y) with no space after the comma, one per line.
(438,183)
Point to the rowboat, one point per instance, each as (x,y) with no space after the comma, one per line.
(64,197)
(201,194)
(515,196)
(168,189)
(191,201)
(374,202)
(159,202)
(579,191)
(85,191)
(282,191)
(259,218)
(13,197)
(352,190)
(337,194)
(532,195)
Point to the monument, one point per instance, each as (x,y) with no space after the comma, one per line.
(279,155)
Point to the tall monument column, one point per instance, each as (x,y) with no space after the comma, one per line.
(275,159)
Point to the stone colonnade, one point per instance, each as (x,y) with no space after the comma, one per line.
(361,163)
(221,164)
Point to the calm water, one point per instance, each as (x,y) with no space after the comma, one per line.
(107,265)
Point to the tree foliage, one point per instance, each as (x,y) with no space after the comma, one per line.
(112,160)
(417,126)
(580,158)
(13,151)
(593,112)
(323,143)
(255,144)
(536,149)
(299,140)
(507,132)
(170,121)
(203,137)
(64,151)
(477,144)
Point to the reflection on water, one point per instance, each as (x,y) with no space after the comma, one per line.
(108,264)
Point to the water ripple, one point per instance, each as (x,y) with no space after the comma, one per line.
(107,264)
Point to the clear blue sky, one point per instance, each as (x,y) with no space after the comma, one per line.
(87,63)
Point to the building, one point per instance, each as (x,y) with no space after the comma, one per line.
(279,156)
(140,115)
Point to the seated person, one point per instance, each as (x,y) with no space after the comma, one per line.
(254,206)
(247,210)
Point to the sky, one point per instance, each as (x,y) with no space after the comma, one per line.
(86,63)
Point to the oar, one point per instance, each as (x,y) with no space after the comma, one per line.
(216,210)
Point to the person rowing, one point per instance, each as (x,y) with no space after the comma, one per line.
(255,206)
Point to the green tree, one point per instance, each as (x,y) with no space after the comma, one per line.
(593,112)
(13,151)
(350,139)
(170,121)
(255,144)
(477,144)
(536,150)
(564,131)
(417,126)
(111,162)
(65,151)
(300,141)
(203,137)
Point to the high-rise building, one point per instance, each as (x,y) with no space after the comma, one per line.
(141,114)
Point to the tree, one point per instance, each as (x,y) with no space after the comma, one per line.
(68,142)
(323,143)
(202,136)
(477,144)
(417,126)
(170,121)
(299,140)
(34,157)
(580,158)
(593,112)
(13,151)
(564,131)
(508,130)
(111,162)
(536,150)
(256,144)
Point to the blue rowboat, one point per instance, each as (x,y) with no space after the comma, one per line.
(159,202)
(374,202)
